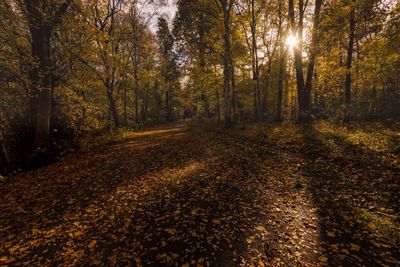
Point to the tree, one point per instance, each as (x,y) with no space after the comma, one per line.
(193,26)
(304,86)
(282,61)
(169,68)
(225,6)
(42,19)
(350,47)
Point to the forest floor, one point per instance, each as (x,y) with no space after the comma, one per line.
(198,195)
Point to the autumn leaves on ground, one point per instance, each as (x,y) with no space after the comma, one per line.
(198,195)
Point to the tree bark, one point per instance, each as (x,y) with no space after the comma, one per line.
(226,9)
(282,66)
(304,88)
(40,27)
(136,77)
(218,107)
(125,101)
(257,98)
(41,77)
(311,60)
(350,48)
(112,104)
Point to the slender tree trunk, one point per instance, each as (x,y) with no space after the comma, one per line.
(233,100)
(125,101)
(168,105)
(202,65)
(4,158)
(226,8)
(218,107)
(298,60)
(282,66)
(257,98)
(136,77)
(349,61)
(311,62)
(112,104)
(145,107)
(282,63)
(267,80)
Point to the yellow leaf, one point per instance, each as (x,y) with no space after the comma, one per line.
(92,244)
(215,221)
(355,247)
(323,259)
(331,234)
(170,231)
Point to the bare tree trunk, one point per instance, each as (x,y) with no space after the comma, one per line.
(267,80)
(125,101)
(40,27)
(233,100)
(298,60)
(168,105)
(4,158)
(304,89)
(226,9)
(349,61)
(227,70)
(257,98)
(282,66)
(311,60)
(112,105)
(145,107)
(42,82)
(136,77)
(218,107)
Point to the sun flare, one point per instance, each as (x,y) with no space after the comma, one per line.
(291,41)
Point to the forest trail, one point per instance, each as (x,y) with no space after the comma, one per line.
(180,195)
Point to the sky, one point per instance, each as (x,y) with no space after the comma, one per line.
(169,11)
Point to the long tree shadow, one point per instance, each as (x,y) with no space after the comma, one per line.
(43,200)
(188,200)
(356,190)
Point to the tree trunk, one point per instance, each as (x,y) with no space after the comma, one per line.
(233,100)
(218,107)
(257,98)
(311,62)
(267,79)
(112,105)
(168,115)
(136,77)
(226,8)
(282,66)
(40,27)
(349,61)
(298,60)
(304,89)
(42,82)
(125,102)
(4,158)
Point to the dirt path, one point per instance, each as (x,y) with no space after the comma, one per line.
(184,196)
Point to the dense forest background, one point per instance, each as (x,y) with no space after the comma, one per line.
(71,69)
